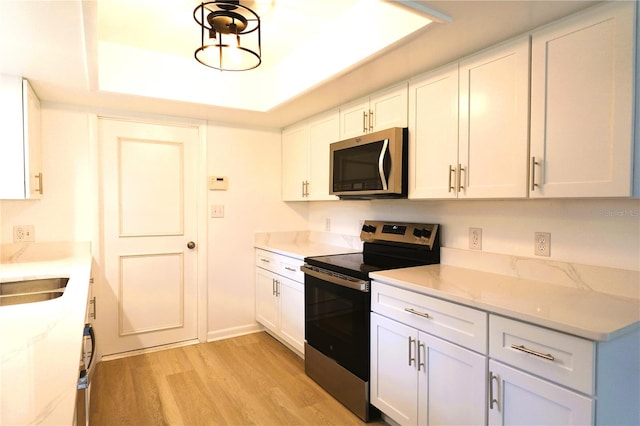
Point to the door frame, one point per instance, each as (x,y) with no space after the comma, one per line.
(97,246)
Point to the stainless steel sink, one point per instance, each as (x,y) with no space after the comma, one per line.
(29,291)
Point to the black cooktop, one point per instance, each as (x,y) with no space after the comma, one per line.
(376,257)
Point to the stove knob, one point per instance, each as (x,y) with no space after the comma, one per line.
(426,233)
(364,228)
(371,229)
(417,232)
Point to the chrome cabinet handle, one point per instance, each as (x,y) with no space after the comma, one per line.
(288,268)
(459,180)
(273,286)
(39,189)
(534,163)
(451,170)
(262,259)
(370,120)
(493,400)
(420,360)
(421,314)
(524,349)
(412,342)
(364,122)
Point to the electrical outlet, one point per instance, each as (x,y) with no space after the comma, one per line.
(542,244)
(24,234)
(475,238)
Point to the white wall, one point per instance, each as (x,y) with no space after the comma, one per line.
(251,161)
(590,231)
(67,211)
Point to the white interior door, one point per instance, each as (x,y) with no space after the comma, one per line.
(149,208)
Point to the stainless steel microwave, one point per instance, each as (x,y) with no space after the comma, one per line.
(373,165)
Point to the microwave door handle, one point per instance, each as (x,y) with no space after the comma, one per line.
(383,178)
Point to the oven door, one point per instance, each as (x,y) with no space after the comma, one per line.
(337,319)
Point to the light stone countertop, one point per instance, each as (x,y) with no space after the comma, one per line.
(595,303)
(40,342)
(301,244)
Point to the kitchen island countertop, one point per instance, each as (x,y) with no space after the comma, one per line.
(40,342)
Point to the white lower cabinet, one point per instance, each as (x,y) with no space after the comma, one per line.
(280,298)
(518,398)
(416,377)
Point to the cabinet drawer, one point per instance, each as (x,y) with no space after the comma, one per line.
(559,357)
(290,267)
(267,260)
(458,324)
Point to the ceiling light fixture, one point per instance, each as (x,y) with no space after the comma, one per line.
(230,36)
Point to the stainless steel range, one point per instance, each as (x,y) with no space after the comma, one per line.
(338,305)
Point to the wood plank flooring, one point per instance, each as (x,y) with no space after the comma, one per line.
(247,380)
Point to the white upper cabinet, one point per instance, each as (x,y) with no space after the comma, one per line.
(494,120)
(21,147)
(305,158)
(468,127)
(433,134)
(582,105)
(380,111)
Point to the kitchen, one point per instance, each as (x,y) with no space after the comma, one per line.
(70,211)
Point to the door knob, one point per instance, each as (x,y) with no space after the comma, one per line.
(191,245)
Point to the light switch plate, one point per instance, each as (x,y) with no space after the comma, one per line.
(217,210)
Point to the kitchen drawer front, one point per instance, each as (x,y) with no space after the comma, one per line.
(559,357)
(456,323)
(290,268)
(267,260)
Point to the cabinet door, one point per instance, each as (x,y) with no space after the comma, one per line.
(291,299)
(323,131)
(295,163)
(394,378)
(266,299)
(32,142)
(433,134)
(389,108)
(452,384)
(522,399)
(354,119)
(494,113)
(582,105)
(20,150)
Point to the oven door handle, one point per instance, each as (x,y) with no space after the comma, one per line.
(383,177)
(352,283)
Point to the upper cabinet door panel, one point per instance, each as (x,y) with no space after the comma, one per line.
(389,108)
(323,131)
(433,134)
(582,105)
(494,112)
(295,162)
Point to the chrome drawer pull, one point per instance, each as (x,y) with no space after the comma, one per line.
(262,259)
(522,348)
(288,268)
(421,314)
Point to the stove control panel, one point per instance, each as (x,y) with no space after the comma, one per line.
(399,232)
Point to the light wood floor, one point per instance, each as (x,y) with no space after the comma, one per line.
(247,380)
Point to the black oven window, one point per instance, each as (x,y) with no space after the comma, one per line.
(337,324)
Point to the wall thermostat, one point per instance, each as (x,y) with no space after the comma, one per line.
(218,183)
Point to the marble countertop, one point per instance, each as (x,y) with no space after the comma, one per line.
(594,303)
(41,342)
(301,244)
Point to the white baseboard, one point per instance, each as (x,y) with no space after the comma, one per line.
(233,332)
